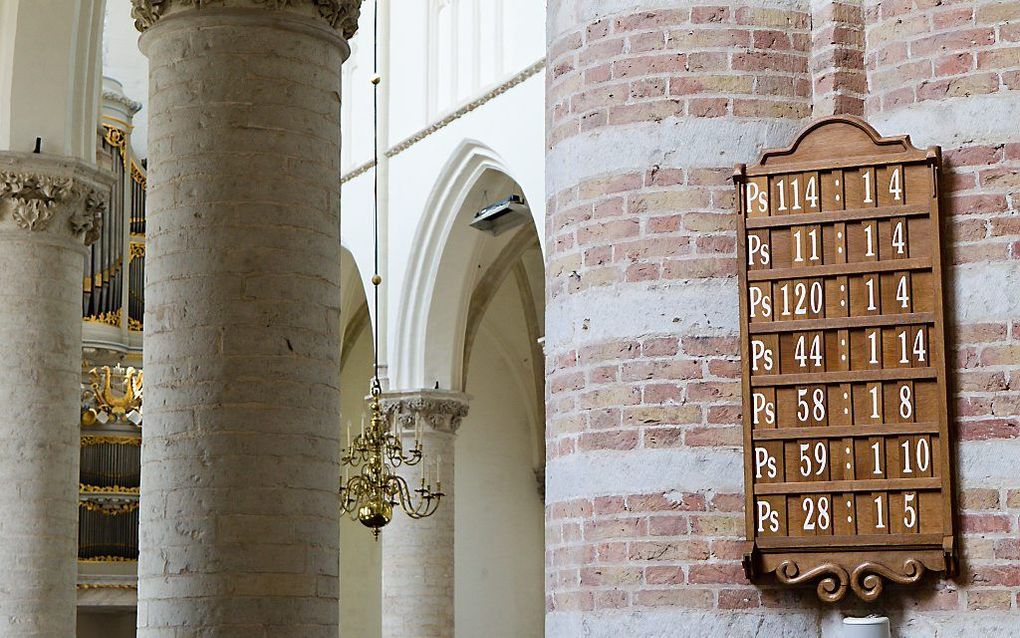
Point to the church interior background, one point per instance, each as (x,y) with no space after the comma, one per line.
(221,171)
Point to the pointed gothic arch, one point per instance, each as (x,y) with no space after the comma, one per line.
(443,270)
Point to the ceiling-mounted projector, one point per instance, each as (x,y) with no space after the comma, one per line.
(502,216)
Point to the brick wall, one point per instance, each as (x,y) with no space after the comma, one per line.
(648,111)
(935,63)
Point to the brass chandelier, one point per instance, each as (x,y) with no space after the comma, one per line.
(375,489)
(375,455)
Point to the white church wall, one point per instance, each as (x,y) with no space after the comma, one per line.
(62,37)
(499,513)
(360,558)
(511,128)
(123,62)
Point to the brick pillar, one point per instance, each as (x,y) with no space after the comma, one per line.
(949,74)
(49,210)
(649,110)
(837,57)
(240,460)
(417,555)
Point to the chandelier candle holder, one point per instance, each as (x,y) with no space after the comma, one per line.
(376,489)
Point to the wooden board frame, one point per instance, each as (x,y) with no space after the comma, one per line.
(850,208)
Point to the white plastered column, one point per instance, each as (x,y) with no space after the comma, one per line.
(50,209)
(417,555)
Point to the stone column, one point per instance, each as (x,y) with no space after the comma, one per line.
(240,460)
(50,209)
(417,555)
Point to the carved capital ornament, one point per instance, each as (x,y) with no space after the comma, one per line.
(34,195)
(433,411)
(341,15)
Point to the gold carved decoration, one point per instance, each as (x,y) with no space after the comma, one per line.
(110,510)
(138,175)
(114,489)
(108,559)
(136,250)
(111,318)
(106,585)
(109,405)
(110,440)
(104,276)
(116,138)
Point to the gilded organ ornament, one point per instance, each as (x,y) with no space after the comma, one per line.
(106,401)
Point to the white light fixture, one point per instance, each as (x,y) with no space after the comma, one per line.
(502,216)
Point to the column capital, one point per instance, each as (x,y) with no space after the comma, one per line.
(436,410)
(44,193)
(341,15)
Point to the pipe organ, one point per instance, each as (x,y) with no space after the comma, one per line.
(113,287)
(103,283)
(113,305)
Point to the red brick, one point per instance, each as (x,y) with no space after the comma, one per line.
(655,393)
(988,429)
(985,524)
(662,437)
(995,575)
(610,576)
(611,599)
(571,601)
(608,440)
(664,575)
(660,19)
(668,526)
(955,64)
(660,347)
(716,573)
(745,598)
(664,502)
(714,436)
(953,18)
(710,346)
(705,15)
(679,597)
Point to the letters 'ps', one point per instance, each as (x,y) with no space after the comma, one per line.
(846,447)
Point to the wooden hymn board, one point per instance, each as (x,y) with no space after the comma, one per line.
(846,453)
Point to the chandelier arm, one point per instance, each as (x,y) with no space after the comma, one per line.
(353,493)
(427,504)
(397,456)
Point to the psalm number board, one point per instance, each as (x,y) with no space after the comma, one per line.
(846,453)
